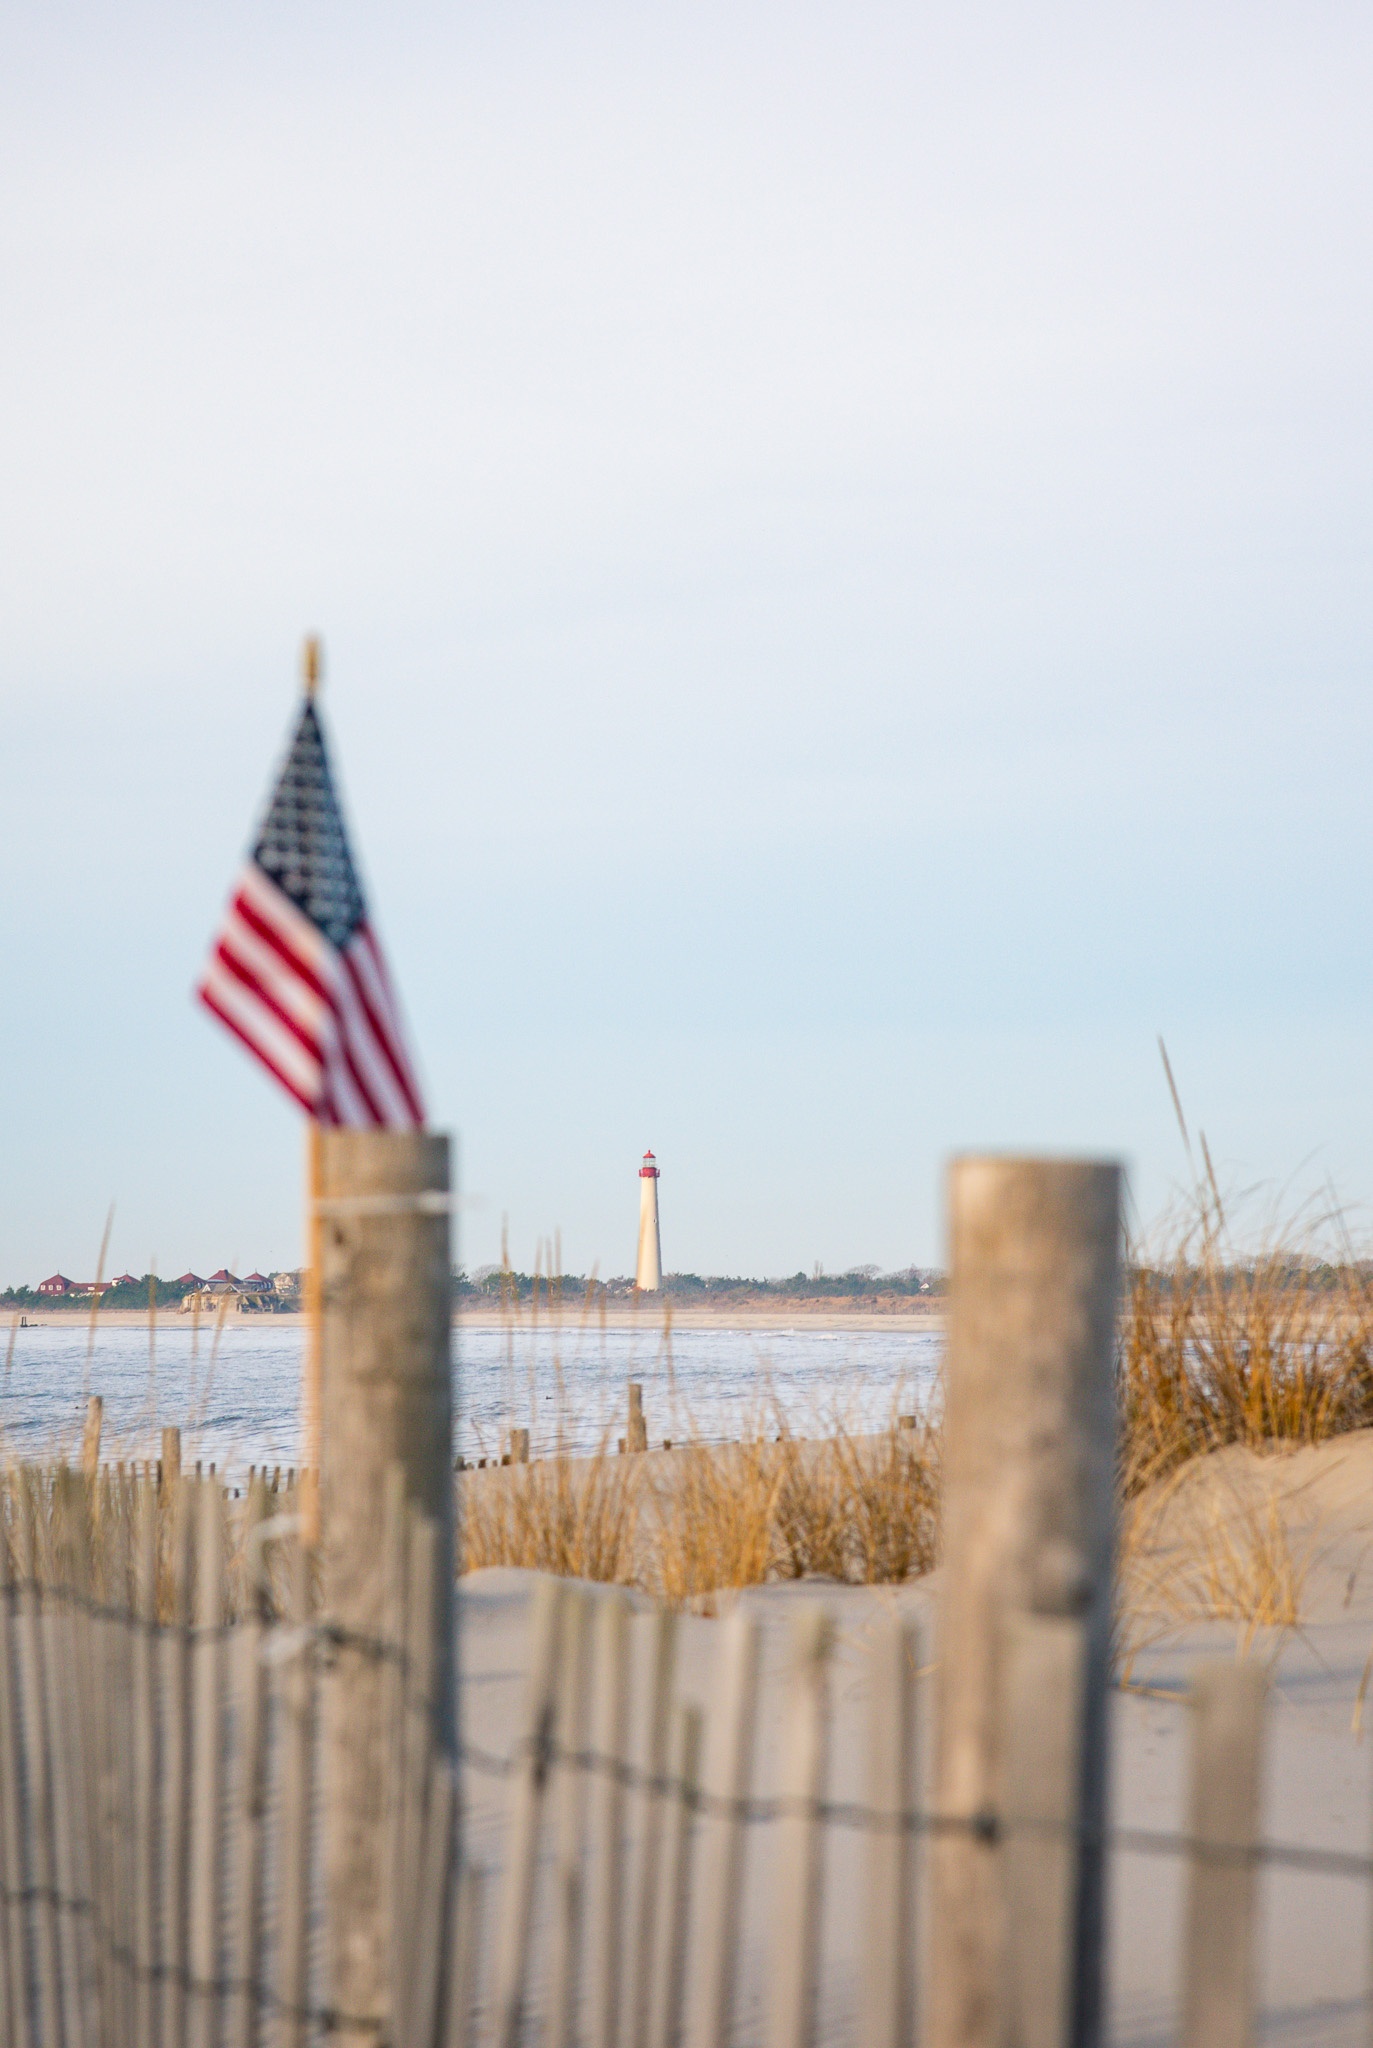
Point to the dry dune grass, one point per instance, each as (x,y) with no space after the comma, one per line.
(1210,1544)
(715,1509)
(685,1524)
(578,1518)
(1227,1349)
(1220,1346)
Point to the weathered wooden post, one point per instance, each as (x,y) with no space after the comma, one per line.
(90,1439)
(386,1400)
(636,1433)
(1029,1448)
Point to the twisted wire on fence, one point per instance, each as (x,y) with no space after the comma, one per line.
(282,1640)
(984,1826)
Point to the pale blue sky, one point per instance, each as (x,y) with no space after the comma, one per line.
(842,538)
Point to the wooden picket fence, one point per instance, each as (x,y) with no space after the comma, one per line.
(161,1659)
(621,1893)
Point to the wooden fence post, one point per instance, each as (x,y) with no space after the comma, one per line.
(1029,1449)
(1227,1703)
(386,1398)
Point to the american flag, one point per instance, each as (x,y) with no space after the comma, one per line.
(296,973)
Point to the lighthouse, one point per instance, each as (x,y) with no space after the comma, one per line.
(648,1276)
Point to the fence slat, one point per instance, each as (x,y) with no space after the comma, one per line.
(175,1662)
(87,1687)
(208,1752)
(79,1728)
(527,1793)
(644,1962)
(432,1905)
(569,1888)
(297,1744)
(893,1792)
(251,1776)
(729,1771)
(798,1836)
(32,1679)
(468,1897)
(1044,1671)
(18,2009)
(1227,1735)
(114,1705)
(665,2024)
(147,1948)
(55,1698)
(610,1659)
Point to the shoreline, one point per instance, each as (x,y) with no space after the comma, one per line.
(827,1316)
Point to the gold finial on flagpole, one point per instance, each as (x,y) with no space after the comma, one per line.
(312,663)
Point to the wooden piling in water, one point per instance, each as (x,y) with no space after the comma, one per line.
(90,1439)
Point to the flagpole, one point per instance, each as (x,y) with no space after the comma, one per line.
(313,1363)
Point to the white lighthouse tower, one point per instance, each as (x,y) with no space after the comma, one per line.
(648,1276)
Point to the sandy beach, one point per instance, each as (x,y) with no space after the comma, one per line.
(1196,1545)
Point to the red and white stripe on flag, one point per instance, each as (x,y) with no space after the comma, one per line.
(323,1021)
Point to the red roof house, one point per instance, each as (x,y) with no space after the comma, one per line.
(190,1280)
(56,1283)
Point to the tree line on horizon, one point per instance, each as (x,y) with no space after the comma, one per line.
(497,1283)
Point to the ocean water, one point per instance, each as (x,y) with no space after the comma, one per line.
(237,1400)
